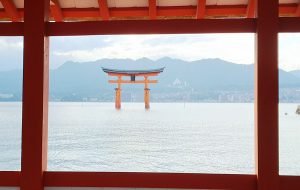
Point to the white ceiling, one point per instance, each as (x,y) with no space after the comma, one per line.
(143,3)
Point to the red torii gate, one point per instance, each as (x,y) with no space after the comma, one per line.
(132,74)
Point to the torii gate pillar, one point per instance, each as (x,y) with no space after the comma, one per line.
(147,98)
(118,93)
(118,98)
(147,94)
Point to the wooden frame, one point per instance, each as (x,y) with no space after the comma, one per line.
(286,25)
(9,178)
(105,13)
(34,176)
(266,96)
(150,180)
(35,95)
(11,10)
(56,11)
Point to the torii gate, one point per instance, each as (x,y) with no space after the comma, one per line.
(132,74)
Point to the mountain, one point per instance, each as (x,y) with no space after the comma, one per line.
(296,73)
(202,80)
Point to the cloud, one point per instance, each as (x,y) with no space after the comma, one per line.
(238,48)
(11,43)
(289,46)
(11,53)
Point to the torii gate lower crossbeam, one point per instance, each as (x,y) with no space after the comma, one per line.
(132,74)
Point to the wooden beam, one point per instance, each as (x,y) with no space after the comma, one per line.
(180,11)
(9,179)
(289,24)
(191,26)
(297,13)
(133,82)
(11,10)
(150,180)
(152,9)
(56,11)
(35,95)
(75,14)
(266,96)
(289,182)
(103,8)
(201,7)
(287,10)
(286,24)
(251,9)
(11,29)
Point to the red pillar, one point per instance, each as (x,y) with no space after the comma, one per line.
(266,95)
(147,94)
(118,98)
(147,98)
(35,95)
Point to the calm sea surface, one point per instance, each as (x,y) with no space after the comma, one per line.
(170,137)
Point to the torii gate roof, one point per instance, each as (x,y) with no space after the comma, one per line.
(132,72)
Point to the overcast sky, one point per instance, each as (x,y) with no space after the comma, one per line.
(237,48)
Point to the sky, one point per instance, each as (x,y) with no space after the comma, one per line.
(237,48)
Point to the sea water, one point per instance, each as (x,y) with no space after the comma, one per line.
(170,137)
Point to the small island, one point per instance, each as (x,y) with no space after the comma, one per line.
(298,110)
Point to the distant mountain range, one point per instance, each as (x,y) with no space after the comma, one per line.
(206,80)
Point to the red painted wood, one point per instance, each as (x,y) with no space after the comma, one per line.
(11,9)
(143,12)
(3,14)
(56,11)
(174,11)
(251,9)
(152,9)
(9,178)
(180,11)
(201,7)
(104,11)
(152,27)
(287,11)
(5,17)
(266,96)
(34,145)
(289,24)
(298,10)
(150,180)
(11,29)
(289,182)
(35,95)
